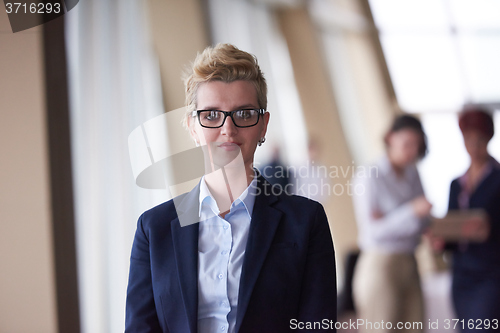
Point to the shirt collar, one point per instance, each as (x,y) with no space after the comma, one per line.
(247,198)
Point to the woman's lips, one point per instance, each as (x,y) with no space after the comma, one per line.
(229,146)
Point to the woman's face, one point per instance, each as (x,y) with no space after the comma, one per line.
(226,142)
(403,147)
(476,144)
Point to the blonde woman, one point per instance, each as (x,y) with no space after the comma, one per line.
(258,260)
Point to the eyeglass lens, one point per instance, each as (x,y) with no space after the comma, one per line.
(241,118)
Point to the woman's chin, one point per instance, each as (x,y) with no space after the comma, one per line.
(227,157)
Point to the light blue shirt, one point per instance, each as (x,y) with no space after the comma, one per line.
(221,250)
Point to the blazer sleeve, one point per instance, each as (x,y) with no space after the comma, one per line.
(318,299)
(141,314)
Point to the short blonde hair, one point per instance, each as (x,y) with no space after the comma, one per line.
(226,63)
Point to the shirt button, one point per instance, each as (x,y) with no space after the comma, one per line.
(220,276)
(224,252)
(225,227)
(223,328)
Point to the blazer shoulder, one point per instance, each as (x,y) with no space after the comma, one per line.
(298,199)
(298,204)
(164,212)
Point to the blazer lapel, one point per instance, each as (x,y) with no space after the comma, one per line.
(185,241)
(265,220)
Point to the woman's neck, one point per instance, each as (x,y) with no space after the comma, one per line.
(228,183)
(476,171)
(398,169)
(479,163)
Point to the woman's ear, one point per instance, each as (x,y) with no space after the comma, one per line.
(265,118)
(192,130)
(387,139)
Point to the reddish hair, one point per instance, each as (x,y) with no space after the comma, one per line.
(476,120)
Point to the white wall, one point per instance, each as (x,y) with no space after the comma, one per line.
(27,290)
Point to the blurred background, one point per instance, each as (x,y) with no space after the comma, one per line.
(338,71)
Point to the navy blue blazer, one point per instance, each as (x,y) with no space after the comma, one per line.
(480,258)
(288,271)
(476,267)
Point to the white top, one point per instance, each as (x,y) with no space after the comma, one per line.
(382,202)
(221,250)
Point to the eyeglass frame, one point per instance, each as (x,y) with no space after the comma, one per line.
(196,113)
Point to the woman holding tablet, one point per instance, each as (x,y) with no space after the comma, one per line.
(476,266)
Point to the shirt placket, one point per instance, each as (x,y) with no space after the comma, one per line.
(222,275)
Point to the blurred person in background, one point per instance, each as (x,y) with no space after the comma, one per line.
(256,261)
(476,266)
(392,213)
(310,179)
(275,172)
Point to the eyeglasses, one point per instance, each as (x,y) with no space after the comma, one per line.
(216,118)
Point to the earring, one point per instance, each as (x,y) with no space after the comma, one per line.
(261,141)
(197,143)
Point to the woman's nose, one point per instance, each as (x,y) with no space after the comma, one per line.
(229,128)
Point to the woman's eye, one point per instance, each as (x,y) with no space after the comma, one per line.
(212,115)
(244,114)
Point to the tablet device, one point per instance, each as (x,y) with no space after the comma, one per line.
(470,225)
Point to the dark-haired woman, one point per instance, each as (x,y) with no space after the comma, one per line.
(391,212)
(476,266)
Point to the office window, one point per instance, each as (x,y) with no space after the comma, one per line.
(441,54)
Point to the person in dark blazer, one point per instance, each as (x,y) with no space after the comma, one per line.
(476,266)
(234,254)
